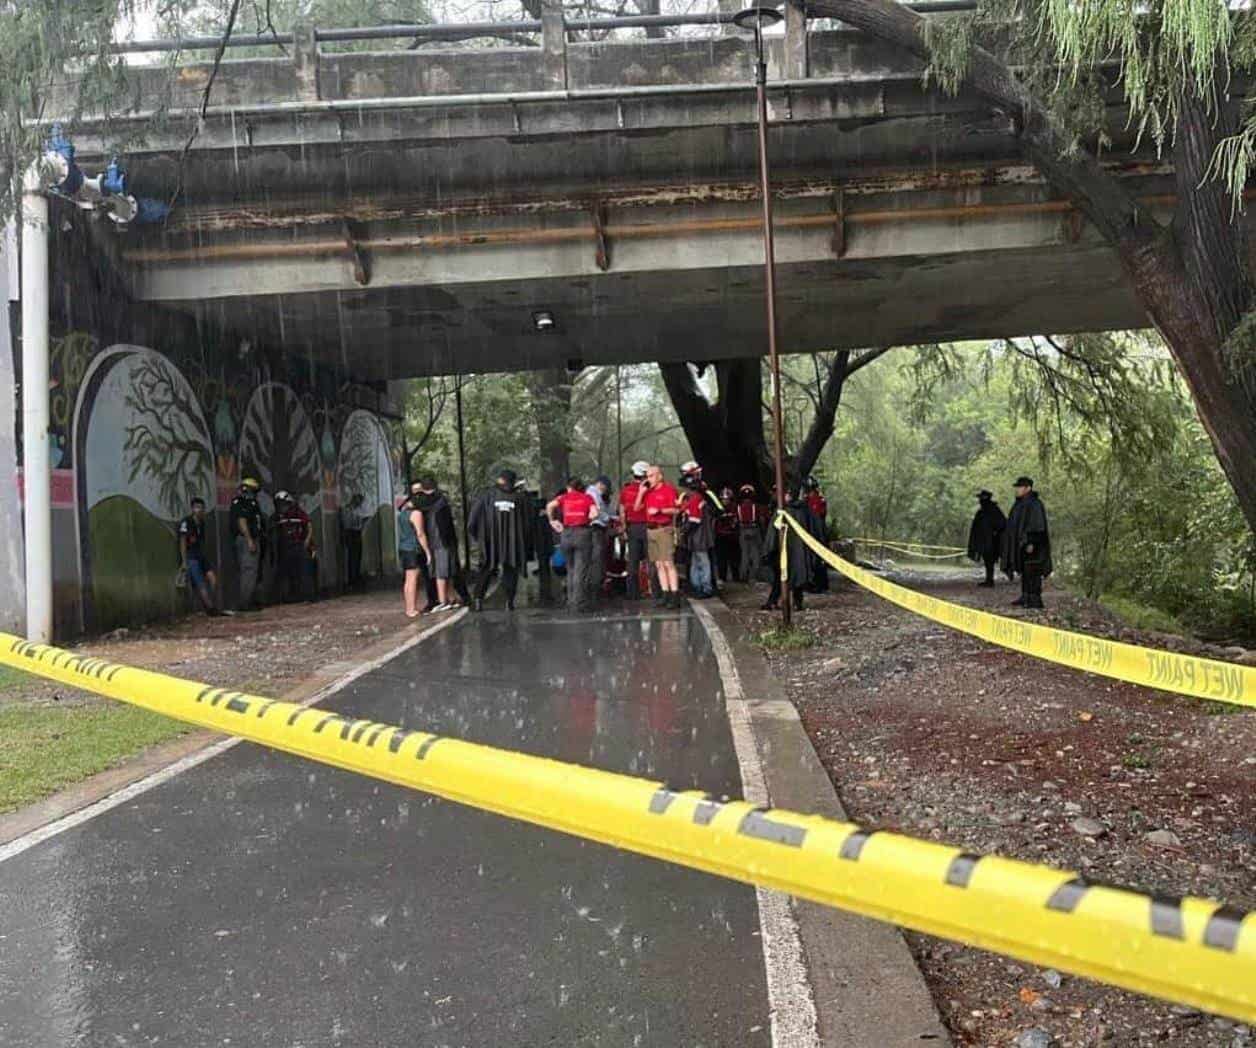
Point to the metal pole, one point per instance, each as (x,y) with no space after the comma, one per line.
(619,427)
(36,418)
(462,476)
(769,262)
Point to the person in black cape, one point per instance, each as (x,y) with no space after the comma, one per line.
(499,525)
(801,561)
(985,537)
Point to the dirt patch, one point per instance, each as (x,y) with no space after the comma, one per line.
(266,652)
(938,735)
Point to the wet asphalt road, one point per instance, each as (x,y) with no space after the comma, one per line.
(261,900)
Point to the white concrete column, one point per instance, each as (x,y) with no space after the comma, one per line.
(36,471)
(12,557)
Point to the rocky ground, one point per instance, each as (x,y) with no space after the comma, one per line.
(935,734)
(264,652)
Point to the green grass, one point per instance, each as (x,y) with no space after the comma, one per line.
(1136,760)
(11,678)
(779,639)
(1141,616)
(44,748)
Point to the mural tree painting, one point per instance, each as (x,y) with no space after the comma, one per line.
(167,440)
(278,446)
(365,468)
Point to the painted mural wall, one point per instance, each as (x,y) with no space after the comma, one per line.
(150,410)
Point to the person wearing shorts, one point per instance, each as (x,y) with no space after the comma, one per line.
(195,558)
(409,530)
(660,501)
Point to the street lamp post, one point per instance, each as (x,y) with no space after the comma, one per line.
(757,19)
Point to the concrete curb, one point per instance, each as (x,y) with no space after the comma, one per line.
(867,988)
(324,681)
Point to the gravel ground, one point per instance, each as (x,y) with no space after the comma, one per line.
(266,652)
(938,735)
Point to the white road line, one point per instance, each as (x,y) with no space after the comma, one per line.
(142,786)
(790,1001)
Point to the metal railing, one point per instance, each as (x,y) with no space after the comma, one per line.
(469,30)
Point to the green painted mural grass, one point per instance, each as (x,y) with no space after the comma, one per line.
(45,748)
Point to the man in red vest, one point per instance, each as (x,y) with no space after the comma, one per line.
(660,501)
(635,526)
(750,519)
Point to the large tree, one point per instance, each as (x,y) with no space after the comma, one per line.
(1182,67)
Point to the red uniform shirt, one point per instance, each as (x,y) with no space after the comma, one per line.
(628,502)
(817,504)
(747,513)
(693,505)
(660,498)
(294,525)
(574,507)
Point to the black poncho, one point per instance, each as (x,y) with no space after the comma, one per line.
(985,537)
(499,524)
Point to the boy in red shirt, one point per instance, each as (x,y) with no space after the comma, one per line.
(576,510)
(660,501)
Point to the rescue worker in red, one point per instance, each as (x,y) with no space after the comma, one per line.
(819,507)
(727,551)
(750,523)
(635,527)
(571,516)
(660,501)
(296,545)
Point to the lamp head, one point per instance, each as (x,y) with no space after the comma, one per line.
(761,16)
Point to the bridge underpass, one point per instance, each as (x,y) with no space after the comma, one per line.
(411,214)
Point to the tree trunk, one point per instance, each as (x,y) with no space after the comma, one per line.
(551,412)
(727,436)
(1191,279)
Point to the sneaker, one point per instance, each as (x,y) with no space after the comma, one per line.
(442,607)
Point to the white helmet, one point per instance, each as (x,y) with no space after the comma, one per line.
(691,467)
(640,468)
(282,496)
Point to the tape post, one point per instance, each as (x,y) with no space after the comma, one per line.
(1193,675)
(1187,950)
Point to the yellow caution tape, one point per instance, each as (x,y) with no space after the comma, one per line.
(912,545)
(909,551)
(1169,671)
(1187,950)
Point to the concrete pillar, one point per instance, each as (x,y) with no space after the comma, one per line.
(36,470)
(12,555)
(554,45)
(305,58)
(797,64)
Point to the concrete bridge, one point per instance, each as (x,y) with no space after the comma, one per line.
(410,213)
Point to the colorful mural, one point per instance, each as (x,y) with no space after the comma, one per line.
(145,454)
(366,468)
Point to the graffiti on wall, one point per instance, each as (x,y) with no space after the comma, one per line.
(366,468)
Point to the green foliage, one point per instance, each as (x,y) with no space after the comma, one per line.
(778,638)
(1140,616)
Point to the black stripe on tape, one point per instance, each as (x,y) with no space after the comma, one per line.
(1166,916)
(200,696)
(238,704)
(1066,897)
(264,707)
(853,846)
(661,801)
(399,736)
(1222,930)
(376,734)
(757,824)
(295,714)
(219,696)
(328,720)
(960,871)
(705,812)
(113,673)
(428,743)
(349,726)
(357,735)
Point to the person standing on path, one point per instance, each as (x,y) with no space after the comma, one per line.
(985,537)
(698,524)
(498,525)
(819,507)
(409,551)
(352,522)
(576,512)
(599,491)
(749,533)
(800,561)
(439,540)
(660,501)
(195,558)
(1027,544)
(247,538)
(727,553)
(635,527)
(296,540)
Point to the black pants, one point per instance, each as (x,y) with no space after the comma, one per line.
(989,559)
(728,558)
(597,562)
(637,552)
(353,559)
(509,576)
(294,572)
(1031,587)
